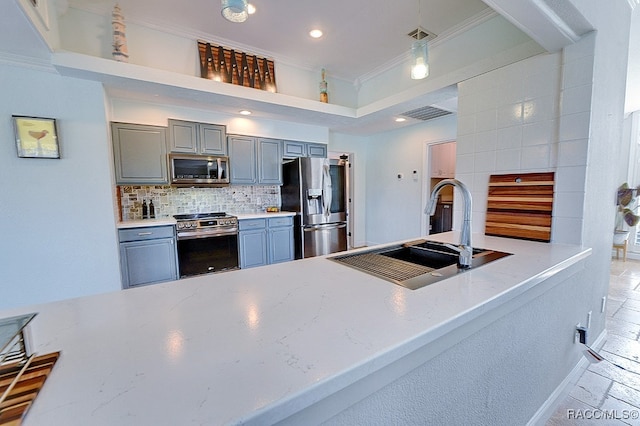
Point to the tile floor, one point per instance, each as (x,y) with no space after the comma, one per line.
(606,394)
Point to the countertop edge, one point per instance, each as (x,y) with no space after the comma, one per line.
(282,409)
(142,223)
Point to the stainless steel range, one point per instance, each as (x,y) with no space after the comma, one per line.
(207,242)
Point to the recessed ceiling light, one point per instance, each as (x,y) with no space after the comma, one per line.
(245,112)
(400,119)
(251,9)
(315,33)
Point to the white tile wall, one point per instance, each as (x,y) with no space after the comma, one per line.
(531,116)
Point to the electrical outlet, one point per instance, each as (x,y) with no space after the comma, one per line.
(603,304)
(258,201)
(582,335)
(589,320)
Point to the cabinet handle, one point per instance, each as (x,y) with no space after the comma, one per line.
(142,234)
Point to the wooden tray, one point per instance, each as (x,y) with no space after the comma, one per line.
(19,399)
(520,206)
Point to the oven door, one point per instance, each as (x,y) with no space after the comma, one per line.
(208,254)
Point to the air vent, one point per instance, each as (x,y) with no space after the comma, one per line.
(426,113)
(422,34)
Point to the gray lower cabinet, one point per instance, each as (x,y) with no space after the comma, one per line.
(252,242)
(147,255)
(255,160)
(140,154)
(280,239)
(265,241)
(197,138)
(294,149)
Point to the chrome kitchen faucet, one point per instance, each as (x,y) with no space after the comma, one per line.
(464,248)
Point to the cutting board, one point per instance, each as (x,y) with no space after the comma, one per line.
(27,381)
(520,206)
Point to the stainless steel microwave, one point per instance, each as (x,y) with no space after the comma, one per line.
(198,170)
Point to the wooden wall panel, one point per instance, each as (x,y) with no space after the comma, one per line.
(226,65)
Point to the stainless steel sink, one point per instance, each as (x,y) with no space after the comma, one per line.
(416,264)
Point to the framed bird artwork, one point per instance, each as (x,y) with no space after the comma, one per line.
(36,137)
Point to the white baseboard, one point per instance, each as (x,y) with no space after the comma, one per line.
(564,388)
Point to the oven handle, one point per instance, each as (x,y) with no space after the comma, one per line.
(190,235)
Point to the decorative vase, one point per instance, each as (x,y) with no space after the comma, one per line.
(120,52)
(324,97)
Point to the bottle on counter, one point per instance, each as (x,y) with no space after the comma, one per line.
(152,210)
(144,209)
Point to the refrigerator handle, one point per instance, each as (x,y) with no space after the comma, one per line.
(325,226)
(326,188)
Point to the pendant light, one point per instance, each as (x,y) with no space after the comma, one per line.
(419,60)
(419,53)
(235,10)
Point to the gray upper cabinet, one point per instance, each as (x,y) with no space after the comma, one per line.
(255,160)
(317,150)
(197,138)
(270,161)
(140,154)
(293,149)
(242,158)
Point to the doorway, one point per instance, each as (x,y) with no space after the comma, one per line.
(439,163)
(347,156)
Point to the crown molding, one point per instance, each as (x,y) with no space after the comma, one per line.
(29,62)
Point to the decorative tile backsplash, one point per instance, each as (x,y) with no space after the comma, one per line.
(169,200)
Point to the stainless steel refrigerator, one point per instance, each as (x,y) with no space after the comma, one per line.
(317,190)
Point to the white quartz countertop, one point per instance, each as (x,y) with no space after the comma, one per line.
(146,222)
(171,221)
(261,215)
(256,345)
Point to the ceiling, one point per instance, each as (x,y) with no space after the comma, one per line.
(359,35)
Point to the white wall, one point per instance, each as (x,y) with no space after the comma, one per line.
(394,207)
(607,50)
(157,114)
(56,216)
(89,33)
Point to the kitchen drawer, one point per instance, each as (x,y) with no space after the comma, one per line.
(247,224)
(280,221)
(145,233)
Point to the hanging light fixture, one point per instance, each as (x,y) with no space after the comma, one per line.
(235,10)
(419,52)
(420,60)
